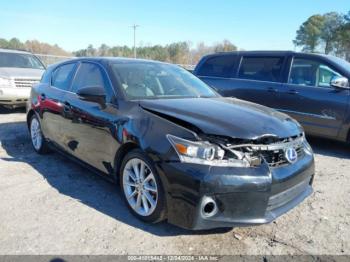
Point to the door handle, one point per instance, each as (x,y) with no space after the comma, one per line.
(293,92)
(272,90)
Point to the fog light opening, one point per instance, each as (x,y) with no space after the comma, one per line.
(209,207)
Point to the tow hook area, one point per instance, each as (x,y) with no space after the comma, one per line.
(208,207)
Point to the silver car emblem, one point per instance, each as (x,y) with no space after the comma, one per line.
(291,155)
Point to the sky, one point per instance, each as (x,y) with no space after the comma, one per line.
(74,24)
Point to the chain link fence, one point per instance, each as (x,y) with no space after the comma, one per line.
(53,59)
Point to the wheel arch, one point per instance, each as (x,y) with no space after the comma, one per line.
(121,153)
(30,114)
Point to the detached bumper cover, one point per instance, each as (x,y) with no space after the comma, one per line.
(244,196)
(14,96)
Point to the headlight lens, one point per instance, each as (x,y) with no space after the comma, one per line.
(203,152)
(307,148)
(5,82)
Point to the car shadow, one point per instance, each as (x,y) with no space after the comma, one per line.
(71,179)
(329,147)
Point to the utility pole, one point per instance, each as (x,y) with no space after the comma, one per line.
(134,26)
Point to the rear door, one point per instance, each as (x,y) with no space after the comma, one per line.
(308,96)
(255,78)
(259,79)
(52,99)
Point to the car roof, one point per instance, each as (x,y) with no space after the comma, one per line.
(267,52)
(103,59)
(118,59)
(4,50)
(257,52)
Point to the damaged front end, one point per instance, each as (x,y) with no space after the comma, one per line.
(217,180)
(247,182)
(232,152)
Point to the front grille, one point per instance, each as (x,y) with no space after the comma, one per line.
(277,158)
(268,148)
(25,82)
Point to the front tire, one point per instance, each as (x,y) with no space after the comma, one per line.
(141,187)
(37,138)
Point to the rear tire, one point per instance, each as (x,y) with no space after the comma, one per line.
(37,138)
(142,188)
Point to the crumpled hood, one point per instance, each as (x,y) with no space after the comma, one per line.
(14,72)
(226,116)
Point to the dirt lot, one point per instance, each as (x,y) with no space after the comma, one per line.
(49,205)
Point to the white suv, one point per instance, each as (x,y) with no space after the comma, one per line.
(19,71)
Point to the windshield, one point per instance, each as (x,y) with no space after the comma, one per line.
(144,80)
(20,61)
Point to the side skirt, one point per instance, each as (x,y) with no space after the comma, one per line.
(110,177)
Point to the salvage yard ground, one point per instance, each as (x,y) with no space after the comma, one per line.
(50,205)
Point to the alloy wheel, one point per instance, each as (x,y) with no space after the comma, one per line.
(140,187)
(35,133)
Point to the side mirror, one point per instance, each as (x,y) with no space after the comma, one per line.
(93,94)
(340,82)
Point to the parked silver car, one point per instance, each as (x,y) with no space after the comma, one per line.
(19,70)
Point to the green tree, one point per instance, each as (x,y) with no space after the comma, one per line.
(178,52)
(91,51)
(80,53)
(3,43)
(15,43)
(225,46)
(344,38)
(309,33)
(103,50)
(329,32)
(331,28)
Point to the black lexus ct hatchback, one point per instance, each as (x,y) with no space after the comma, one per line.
(179,150)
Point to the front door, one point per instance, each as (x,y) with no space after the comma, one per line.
(310,99)
(91,130)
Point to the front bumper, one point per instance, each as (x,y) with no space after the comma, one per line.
(244,196)
(14,96)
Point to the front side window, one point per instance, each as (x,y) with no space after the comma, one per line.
(261,68)
(88,75)
(144,80)
(308,72)
(219,66)
(18,60)
(61,77)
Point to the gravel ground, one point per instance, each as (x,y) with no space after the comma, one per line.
(50,205)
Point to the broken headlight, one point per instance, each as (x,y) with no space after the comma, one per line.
(206,153)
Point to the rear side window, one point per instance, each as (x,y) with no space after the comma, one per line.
(62,76)
(261,68)
(218,66)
